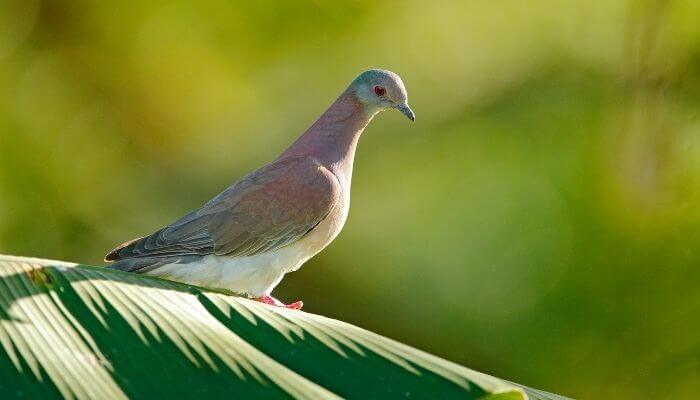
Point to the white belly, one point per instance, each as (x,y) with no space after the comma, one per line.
(256,275)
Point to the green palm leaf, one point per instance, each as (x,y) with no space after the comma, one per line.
(84,332)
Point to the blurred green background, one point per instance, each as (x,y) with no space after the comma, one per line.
(540,222)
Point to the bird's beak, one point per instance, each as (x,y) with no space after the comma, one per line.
(406,110)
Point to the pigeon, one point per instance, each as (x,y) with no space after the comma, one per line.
(273,220)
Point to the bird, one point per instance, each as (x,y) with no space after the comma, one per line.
(276,218)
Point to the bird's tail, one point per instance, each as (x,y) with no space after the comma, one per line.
(118,252)
(138,264)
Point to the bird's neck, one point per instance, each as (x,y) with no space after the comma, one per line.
(333,138)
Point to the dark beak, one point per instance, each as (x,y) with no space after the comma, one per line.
(406,110)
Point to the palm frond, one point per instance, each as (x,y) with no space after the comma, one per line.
(75,331)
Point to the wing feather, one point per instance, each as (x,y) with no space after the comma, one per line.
(271,208)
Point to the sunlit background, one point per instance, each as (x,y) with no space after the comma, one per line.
(539,222)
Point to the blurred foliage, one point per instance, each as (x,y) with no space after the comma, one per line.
(540,221)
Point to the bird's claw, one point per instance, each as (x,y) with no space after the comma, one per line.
(297,305)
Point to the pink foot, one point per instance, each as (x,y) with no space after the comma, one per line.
(297,305)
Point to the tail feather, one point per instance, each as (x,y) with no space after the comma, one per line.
(145,264)
(139,265)
(115,255)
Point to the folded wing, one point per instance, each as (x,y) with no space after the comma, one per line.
(272,207)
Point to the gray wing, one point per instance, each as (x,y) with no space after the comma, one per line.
(268,209)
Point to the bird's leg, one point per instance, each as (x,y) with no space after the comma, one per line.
(297,305)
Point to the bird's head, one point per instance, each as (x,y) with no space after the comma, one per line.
(380,89)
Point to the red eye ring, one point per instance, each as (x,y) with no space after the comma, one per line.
(379,91)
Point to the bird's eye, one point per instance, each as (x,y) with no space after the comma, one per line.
(380,91)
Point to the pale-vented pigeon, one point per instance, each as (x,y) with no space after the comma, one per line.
(279,216)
